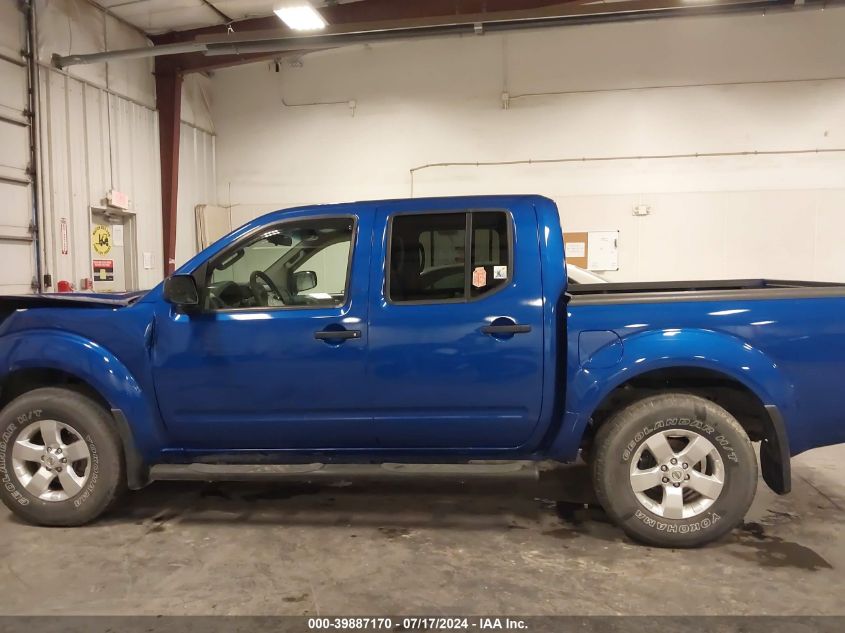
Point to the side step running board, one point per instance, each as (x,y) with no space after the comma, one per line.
(273,472)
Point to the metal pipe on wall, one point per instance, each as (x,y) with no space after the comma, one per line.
(762,82)
(599,159)
(63,61)
(34,96)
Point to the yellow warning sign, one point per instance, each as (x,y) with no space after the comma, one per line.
(101,239)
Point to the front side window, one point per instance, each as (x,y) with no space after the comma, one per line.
(295,264)
(428,255)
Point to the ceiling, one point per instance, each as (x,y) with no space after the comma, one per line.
(161,16)
(241,31)
(157,17)
(164,19)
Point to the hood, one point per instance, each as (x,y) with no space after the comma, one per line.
(69,300)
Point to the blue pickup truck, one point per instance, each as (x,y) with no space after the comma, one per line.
(420,331)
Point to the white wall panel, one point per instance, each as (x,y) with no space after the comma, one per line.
(76,27)
(101,133)
(197,185)
(72,27)
(682,86)
(94,141)
(197,162)
(196,101)
(710,217)
(132,78)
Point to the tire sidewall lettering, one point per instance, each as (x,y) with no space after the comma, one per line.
(709,520)
(691,423)
(93,476)
(10,482)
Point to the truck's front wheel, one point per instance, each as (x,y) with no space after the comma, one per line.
(60,458)
(674,470)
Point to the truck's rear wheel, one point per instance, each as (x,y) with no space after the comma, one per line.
(61,461)
(674,470)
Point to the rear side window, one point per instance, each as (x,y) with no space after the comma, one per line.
(490,251)
(448,256)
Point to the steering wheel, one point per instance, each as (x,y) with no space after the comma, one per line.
(260,294)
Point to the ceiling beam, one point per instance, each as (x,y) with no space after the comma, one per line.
(189,48)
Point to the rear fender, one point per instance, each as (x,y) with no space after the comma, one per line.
(591,383)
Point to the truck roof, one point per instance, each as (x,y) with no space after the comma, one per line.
(412,204)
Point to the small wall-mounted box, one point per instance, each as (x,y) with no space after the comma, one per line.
(118,199)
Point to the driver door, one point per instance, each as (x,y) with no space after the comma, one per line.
(276,359)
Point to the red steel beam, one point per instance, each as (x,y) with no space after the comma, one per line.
(169,106)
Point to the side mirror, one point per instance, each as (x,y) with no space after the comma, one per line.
(181,291)
(304,280)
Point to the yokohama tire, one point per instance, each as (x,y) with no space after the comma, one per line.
(86,433)
(662,515)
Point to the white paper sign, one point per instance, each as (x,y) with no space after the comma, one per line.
(603,250)
(117,235)
(575,249)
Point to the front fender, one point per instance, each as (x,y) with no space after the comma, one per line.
(94,365)
(719,352)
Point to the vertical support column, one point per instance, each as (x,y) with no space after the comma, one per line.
(169,105)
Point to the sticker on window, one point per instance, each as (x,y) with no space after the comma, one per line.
(479,277)
(500,272)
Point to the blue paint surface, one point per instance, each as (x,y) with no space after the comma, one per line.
(422,381)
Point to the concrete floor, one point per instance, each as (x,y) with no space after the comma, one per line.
(421,547)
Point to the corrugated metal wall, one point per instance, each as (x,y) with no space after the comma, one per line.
(92,141)
(197,185)
(98,132)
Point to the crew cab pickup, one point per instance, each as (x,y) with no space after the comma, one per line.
(420,331)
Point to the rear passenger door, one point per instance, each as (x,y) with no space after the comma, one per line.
(456,330)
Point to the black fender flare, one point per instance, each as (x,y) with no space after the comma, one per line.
(137,471)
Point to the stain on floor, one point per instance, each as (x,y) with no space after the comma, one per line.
(772,551)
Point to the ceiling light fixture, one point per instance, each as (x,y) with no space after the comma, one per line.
(302,17)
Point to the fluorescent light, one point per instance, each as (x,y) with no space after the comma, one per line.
(301,18)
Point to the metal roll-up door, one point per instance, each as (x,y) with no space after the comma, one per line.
(17,244)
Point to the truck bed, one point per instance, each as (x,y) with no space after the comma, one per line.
(701,290)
